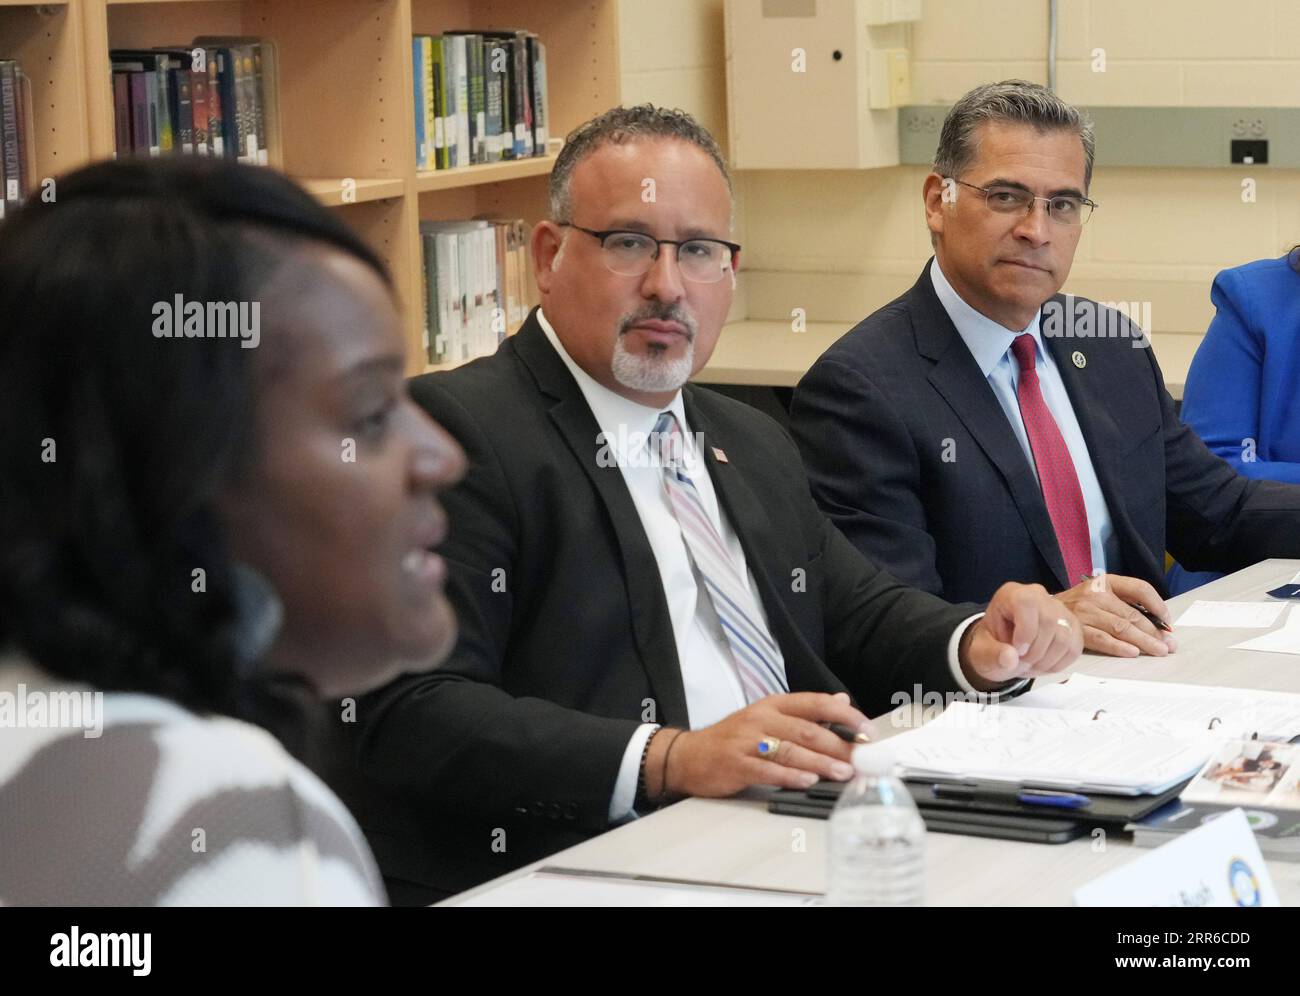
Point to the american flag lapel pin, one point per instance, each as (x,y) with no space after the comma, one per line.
(719,455)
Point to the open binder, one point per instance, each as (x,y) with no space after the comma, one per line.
(1096,735)
(1130,746)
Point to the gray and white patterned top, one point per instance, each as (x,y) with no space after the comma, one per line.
(130,800)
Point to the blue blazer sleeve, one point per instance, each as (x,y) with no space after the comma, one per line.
(1247,371)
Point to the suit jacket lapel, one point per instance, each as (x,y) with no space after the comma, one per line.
(958,378)
(651,622)
(1093,396)
(754,528)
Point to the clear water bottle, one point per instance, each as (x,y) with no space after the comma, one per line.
(876,848)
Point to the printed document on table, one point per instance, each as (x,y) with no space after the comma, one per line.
(1231,615)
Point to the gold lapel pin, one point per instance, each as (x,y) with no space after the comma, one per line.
(1080,360)
(720,456)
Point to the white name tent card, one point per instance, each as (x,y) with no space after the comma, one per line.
(1218,864)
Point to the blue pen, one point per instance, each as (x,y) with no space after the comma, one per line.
(1027,797)
(1057,800)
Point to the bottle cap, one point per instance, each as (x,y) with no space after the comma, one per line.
(874,759)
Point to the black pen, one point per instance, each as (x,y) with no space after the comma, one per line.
(1154,619)
(1147,614)
(847,733)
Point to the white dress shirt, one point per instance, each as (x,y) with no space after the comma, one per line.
(709,677)
(990,344)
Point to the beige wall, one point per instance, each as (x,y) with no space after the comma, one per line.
(1160,235)
(672,55)
(840,244)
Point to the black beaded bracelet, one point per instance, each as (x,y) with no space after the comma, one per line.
(642,801)
(663,779)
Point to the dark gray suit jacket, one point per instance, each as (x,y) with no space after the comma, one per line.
(517,740)
(910,454)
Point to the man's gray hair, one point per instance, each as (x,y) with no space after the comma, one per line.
(1016,101)
(619,125)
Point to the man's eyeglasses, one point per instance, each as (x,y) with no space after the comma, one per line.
(1064,209)
(632,254)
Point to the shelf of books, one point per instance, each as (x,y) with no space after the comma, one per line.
(405,115)
(42,98)
(518,75)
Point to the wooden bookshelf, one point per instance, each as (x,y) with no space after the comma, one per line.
(428,181)
(345,106)
(46,40)
(581,38)
(336,192)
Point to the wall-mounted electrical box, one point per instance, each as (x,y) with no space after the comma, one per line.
(800,91)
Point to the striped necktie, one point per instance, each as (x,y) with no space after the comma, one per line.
(757,657)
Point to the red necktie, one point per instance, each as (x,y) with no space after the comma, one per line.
(1056,475)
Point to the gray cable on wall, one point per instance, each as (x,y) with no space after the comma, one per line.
(1051,45)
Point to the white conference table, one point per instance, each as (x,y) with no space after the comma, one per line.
(737,842)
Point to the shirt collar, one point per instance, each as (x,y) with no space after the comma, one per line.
(987,341)
(625,423)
